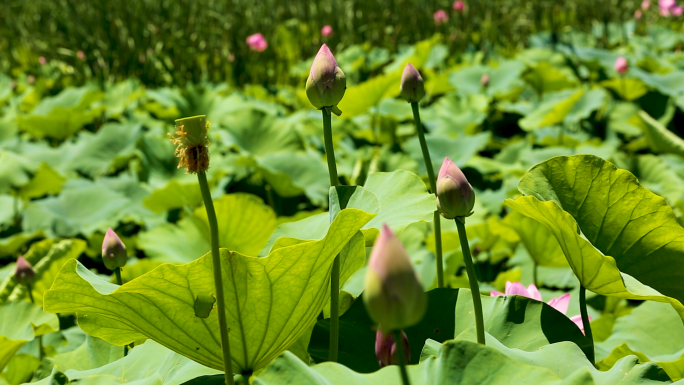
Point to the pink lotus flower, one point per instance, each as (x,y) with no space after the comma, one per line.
(645,4)
(637,14)
(458,6)
(677,10)
(621,65)
(440,17)
(326,31)
(386,349)
(42,60)
(257,42)
(667,7)
(559,303)
(80,55)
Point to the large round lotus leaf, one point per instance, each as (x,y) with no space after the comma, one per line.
(28,321)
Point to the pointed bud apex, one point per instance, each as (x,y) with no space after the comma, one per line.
(484,80)
(386,349)
(412,87)
(23,272)
(393,295)
(455,196)
(191,143)
(621,65)
(326,83)
(113,251)
(204,303)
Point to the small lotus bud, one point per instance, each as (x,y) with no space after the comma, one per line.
(621,65)
(412,87)
(637,14)
(393,295)
(459,6)
(326,83)
(326,31)
(42,60)
(191,143)
(645,4)
(440,17)
(484,80)
(113,251)
(204,303)
(455,196)
(386,349)
(257,42)
(23,272)
(80,55)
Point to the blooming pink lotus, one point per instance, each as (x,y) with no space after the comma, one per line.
(386,349)
(440,17)
(621,65)
(257,42)
(559,303)
(326,31)
(667,7)
(458,6)
(645,4)
(677,10)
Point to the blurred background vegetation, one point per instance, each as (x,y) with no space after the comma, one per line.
(165,42)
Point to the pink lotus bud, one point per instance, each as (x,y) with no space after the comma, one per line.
(484,80)
(677,10)
(386,349)
(645,4)
(440,17)
(621,65)
(23,272)
(455,196)
(326,83)
(458,6)
(80,55)
(393,295)
(412,87)
(113,251)
(326,31)
(637,14)
(257,42)
(30,79)
(42,60)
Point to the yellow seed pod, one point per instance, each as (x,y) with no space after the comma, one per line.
(191,143)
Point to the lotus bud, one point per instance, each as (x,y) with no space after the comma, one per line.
(458,5)
(645,4)
(191,143)
(326,83)
(455,196)
(412,87)
(637,14)
(484,80)
(440,17)
(621,65)
(393,294)
(386,349)
(257,42)
(326,31)
(24,273)
(113,251)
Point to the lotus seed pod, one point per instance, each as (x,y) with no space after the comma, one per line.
(326,83)
(191,143)
(455,196)
(23,272)
(393,294)
(113,251)
(386,349)
(204,303)
(621,65)
(412,86)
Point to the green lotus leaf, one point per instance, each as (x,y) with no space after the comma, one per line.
(619,238)
(255,132)
(659,138)
(176,194)
(552,112)
(627,88)
(45,181)
(245,223)
(358,99)
(657,175)
(545,77)
(93,353)
(460,149)
(538,240)
(19,369)
(270,301)
(28,321)
(15,171)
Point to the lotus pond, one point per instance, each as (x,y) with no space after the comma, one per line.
(468,218)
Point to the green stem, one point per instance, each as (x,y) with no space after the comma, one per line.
(218,279)
(119,281)
(335,274)
(40,338)
(585,320)
(536,282)
(472,278)
(433,188)
(399,343)
(30,294)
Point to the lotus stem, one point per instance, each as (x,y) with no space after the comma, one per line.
(40,338)
(335,274)
(585,320)
(400,352)
(472,279)
(119,281)
(218,279)
(433,188)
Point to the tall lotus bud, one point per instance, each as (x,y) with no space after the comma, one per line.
(113,251)
(191,143)
(621,65)
(455,196)
(23,272)
(393,295)
(326,83)
(386,349)
(257,42)
(412,87)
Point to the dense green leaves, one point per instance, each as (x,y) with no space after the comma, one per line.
(28,321)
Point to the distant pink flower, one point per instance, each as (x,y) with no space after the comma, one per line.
(13,84)
(42,60)
(257,42)
(667,7)
(458,6)
(80,55)
(677,10)
(31,79)
(637,14)
(231,57)
(440,17)
(645,4)
(621,65)
(484,80)
(326,31)
(664,12)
